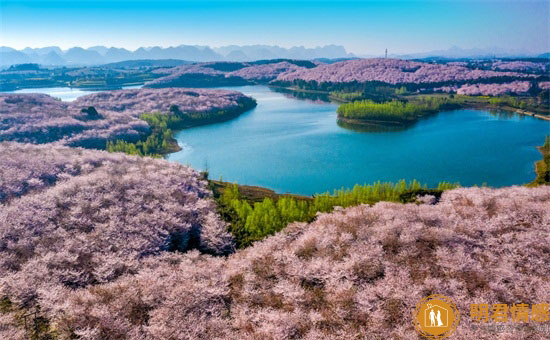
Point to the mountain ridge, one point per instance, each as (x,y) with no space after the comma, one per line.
(97,55)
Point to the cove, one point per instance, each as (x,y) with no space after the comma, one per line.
(295,145)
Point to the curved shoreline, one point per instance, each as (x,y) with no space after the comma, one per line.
(213,119)
(163,126)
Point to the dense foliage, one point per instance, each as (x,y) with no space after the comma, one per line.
(490,89)
(346,96)
(353,273)
(27,168)
(254,221)
(542,167)
(134,102)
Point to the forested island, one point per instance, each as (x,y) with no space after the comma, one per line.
(409,109)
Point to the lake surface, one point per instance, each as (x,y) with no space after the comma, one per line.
(66,94)
(293,145)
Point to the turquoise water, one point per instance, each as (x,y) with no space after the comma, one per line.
(294,145)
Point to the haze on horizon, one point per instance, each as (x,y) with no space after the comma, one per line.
(362,27)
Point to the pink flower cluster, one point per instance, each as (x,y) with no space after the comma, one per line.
(26,168)
(545,85)
(265,72)
(137,101)
(520,66)
(392,71)
(353,273)
(516,87)
(37,118)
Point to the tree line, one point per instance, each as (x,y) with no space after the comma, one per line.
(253,221)
(394,110)
(542,167)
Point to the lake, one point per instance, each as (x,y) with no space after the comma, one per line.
(66,94)
(295,145)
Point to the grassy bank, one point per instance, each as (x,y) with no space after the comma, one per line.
(161,139)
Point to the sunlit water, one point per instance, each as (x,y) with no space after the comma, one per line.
(293,145)
(66,94)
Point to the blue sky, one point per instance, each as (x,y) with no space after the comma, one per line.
(363,27)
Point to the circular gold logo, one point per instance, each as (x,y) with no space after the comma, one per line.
(436,317)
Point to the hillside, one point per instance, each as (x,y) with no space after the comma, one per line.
(104,251)
(90,217)
(226,73)
(393,71)
(38,118)
(472,77)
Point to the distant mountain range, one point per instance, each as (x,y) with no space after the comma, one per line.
(483,53)
(97,55)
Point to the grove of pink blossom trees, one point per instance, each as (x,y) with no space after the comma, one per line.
(392,71)
(88,217)
(39,118)
(514,87)
(137,101)
(118,247)
(521,66)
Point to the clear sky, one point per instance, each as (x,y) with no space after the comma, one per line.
(363,27)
